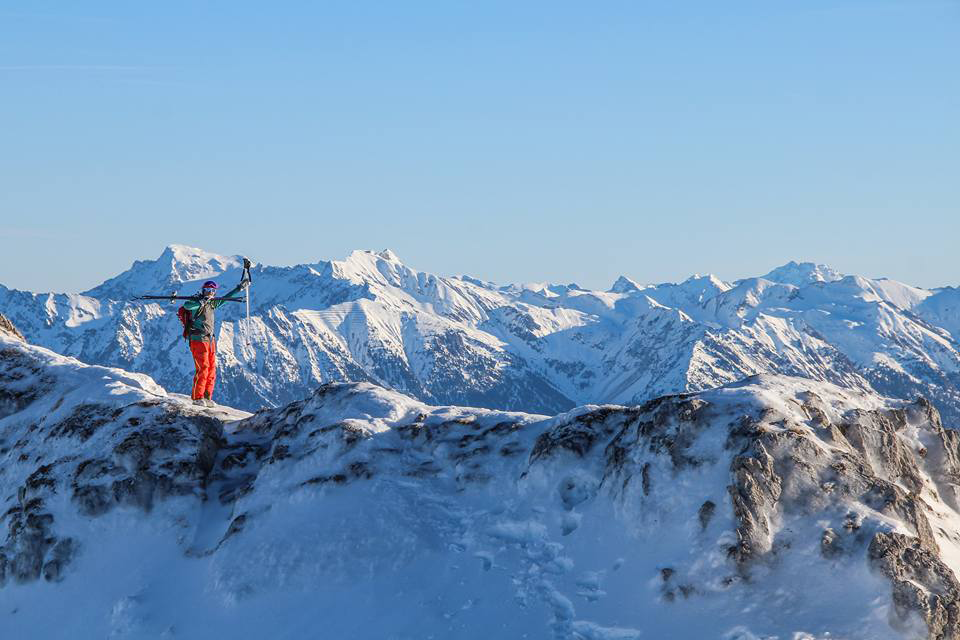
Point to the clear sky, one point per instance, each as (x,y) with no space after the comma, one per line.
(509,140)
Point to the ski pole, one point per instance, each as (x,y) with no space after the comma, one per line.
(246,276)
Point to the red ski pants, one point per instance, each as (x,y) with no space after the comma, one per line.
(205,360)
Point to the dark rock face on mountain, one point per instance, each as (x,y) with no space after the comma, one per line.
(773,507)
(97,437)
(534,348)
(922,584)
(6,327)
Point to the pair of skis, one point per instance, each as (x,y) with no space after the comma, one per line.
(186,298)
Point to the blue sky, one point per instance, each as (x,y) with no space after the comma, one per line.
(512,141)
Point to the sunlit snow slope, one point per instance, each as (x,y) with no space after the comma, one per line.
(774,507)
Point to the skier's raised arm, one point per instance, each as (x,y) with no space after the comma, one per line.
(233,293)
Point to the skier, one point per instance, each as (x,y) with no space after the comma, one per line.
(200,332)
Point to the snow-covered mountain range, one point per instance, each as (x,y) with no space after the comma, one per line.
(775,507)
(540,348)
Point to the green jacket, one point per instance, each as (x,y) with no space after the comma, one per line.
(202,326)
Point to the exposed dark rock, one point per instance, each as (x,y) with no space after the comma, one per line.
(93,500)
(852,521)
(571,439)
(29,539)
(337,478)
(60,555)
(579,435)
(7,328)
(922,584)
(830,544)
(754,492)
(236,526)
(84,421)
(41,478)
(22,381)
(705,514)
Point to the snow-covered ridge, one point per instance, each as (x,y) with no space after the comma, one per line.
(773,507)
(540,348)
(125,439)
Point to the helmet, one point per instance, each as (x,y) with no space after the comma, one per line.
(209,288)
(210,284)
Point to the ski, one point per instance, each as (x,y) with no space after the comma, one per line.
(186,298)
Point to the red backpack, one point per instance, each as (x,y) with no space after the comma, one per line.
(185,319)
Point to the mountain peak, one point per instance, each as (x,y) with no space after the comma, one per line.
(389,255)
(625,285)
(181,249)
(803,273)
(367,256)
(178,264)
(707,280)
(183,254)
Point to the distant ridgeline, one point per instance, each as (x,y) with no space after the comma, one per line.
(538,348)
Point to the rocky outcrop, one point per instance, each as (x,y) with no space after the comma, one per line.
(922,584)
(860,470)
(168,454)
(754,493)
(95,436)
(157,452)
(6,327)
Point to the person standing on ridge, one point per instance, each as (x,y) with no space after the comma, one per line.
(201,333)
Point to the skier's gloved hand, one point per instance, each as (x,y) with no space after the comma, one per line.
(244,284)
